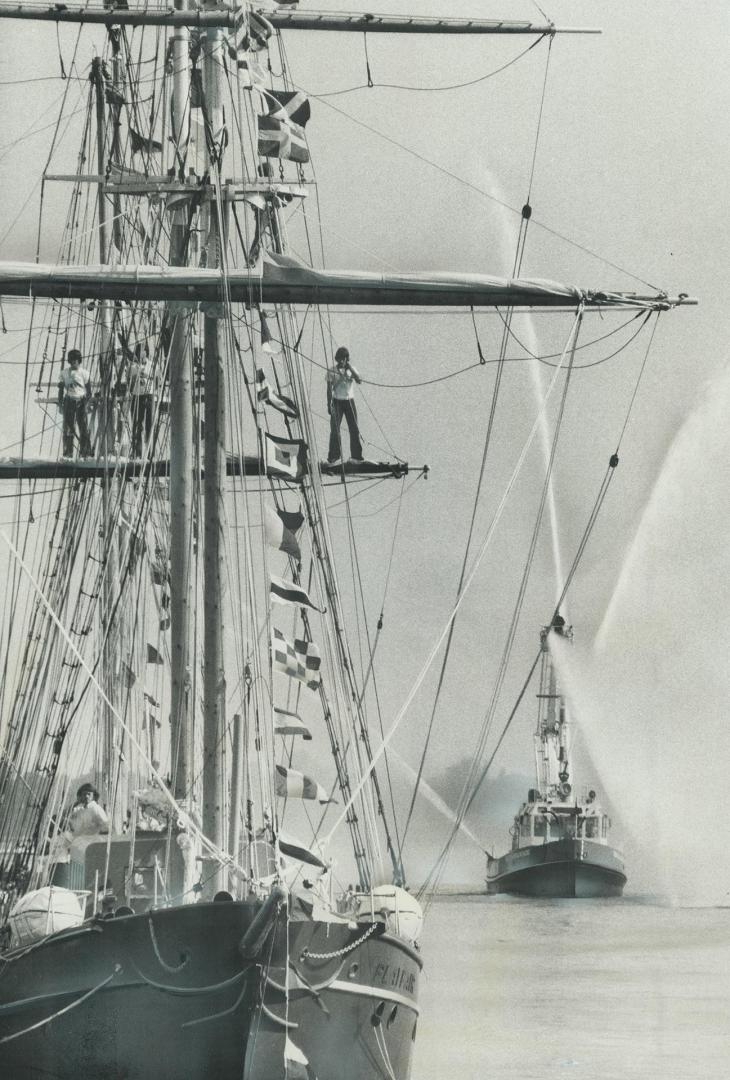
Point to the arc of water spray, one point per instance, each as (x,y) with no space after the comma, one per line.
(435,799)
(545,442)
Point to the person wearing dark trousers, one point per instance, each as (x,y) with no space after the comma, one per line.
(74,392)
(141,389)
(341,402)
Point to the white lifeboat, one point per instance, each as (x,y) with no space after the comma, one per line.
(401,912)
(44,911)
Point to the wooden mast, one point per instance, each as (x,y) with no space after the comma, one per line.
(214,683)
(181,446)
(236,800)
(105,434)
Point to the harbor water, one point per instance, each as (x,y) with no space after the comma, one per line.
(522,989)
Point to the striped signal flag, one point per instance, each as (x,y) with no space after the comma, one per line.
(286,592)
(291,784)
(290,723)
(270,397)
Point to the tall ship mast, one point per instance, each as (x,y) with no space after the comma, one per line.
(560,836)
(201,870)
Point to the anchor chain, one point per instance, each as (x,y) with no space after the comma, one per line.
(306,954)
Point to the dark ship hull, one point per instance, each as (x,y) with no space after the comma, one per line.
(168,995)
(560,868)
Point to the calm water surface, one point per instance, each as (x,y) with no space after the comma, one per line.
(584,989)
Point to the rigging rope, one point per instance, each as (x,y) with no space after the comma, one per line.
(66,1009)
(360,745)
(421,474)
(479,190)
(526,209)
(430,89)
(572,339)
(38,663)
(60,56)
(519,254)
(370,82)
(35,131)
(512,629)
(190,825)
(542,358)
(436,873)
(462,574)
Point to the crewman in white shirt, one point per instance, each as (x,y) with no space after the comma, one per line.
(142,391)
(341,402)
(74,391)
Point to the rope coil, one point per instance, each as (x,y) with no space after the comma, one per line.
(171,968)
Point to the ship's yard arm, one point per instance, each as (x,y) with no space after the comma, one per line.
(230,18)
(293,284)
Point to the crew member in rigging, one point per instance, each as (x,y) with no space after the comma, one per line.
(341,402)
(141,388)
(74,393)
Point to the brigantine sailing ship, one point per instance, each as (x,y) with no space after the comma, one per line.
(186,570)
(560,844)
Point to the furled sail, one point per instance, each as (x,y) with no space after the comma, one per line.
(285,281)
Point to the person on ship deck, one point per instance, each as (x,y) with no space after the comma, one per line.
(87,818)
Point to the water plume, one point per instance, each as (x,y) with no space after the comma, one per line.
(427,792)
(524,331)
(652,695)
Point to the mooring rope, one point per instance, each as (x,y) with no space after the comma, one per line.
(67,1008)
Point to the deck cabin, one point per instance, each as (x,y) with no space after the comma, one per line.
(142,872)
(541,821)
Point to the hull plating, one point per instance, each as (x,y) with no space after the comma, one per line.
(167,996)
(562,868)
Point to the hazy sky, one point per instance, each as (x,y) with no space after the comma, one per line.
(629,191)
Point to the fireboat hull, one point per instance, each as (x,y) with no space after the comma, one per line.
(573,869)
(168,994)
